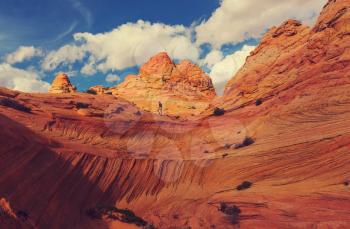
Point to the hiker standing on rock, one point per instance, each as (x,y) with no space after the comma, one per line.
(160,108)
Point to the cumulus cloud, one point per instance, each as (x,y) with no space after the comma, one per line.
(112,78)
(89,69)
(65,55)
(22,53)
(212,58)
(235,20)
(224,70)
(126,46)
(132,44)
(21,80)
(70,73)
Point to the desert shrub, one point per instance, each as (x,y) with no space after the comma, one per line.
(149,226)
(244,185)
(7,102)
(138,113)
(92,92)
(219,111)
(130,217)
(123,215)
(22,215)
(93,213)
(346,183)
(119,110)
(246,142)
(233,211)
(80,105)
(222,207)
(258,102)
(227,146)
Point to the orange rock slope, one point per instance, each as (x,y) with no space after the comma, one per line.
(293,57)
(277,158)
(62,84)
(183,89)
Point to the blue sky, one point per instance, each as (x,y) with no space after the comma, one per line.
(98,40)
(49,23)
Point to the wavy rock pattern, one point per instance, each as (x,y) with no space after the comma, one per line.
(74,152)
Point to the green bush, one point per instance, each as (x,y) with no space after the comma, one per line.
(80,105)
(92,92)
(244,185)
(258,102)
(219,111)
(232,211)
(119,110)
(123,215)
(246,142)
(22,215)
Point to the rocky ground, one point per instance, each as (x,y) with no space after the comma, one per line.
(275,155)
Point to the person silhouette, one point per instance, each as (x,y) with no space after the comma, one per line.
(160,108)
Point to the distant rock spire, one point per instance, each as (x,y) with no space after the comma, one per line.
(62,84)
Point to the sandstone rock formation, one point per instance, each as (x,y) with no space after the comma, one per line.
(97,90)
(183,89)
(285,131)
(294,56)
(61,84)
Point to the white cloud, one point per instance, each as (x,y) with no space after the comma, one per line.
(126,46)
(22,53)
(181,47)
(236,20)
(66,55)
(133,44)
(89,69)
(84,11)
(212,58)
(21,80)
(70,73)
(224,70)
(65,33)
(112,78)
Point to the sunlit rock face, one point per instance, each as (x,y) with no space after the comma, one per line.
(62,85)
(295,56)
(183,89)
